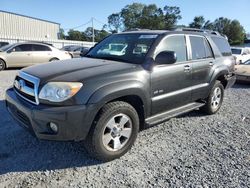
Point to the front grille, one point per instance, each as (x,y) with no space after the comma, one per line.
(26,86)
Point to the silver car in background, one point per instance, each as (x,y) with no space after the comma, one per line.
(27,54)
(76,51)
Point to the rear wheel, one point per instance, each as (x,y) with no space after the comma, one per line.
(2,65)
(215,99)
(114,131)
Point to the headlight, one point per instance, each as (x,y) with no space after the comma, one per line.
(59,91)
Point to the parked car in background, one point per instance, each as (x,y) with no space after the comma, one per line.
(241,54)
(242,71)
(26,54)
(3,44)
(76,51)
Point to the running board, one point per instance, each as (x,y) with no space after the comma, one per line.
(159,118)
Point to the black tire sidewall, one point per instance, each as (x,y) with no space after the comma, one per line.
(99,128)
(209,102)
(3,65)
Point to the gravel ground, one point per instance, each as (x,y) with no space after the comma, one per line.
(191,150)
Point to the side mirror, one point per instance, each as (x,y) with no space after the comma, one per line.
(166,57)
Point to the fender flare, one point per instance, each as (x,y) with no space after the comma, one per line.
(121,89)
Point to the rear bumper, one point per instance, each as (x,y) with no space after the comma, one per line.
(73,122)
(230,80)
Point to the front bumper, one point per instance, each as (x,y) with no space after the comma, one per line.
(73,122)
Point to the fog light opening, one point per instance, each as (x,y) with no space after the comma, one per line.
(53,127)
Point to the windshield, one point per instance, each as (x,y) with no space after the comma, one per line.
(7,47)
(131,48)
(236,51)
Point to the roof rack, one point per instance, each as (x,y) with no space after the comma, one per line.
(202,31)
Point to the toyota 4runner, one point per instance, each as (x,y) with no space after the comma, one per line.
(127,82)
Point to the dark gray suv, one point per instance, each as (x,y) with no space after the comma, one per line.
(127,82)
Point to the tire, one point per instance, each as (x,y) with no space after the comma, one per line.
(113,132)
(215,99)
(2,65)
(53,59)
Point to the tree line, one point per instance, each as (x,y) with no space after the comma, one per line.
(142,16)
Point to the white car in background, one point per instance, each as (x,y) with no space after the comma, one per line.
(29,53)
(241,54)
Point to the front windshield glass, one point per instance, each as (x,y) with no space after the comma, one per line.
(7,47)
(236,51)
(130,48)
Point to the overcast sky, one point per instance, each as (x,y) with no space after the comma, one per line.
(76,12)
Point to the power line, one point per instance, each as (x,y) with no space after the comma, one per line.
(90,21)
(79,25)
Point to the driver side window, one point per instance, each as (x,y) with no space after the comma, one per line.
(176,43)
(22,48)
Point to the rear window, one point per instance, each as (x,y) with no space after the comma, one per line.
(223,46)
(236,51)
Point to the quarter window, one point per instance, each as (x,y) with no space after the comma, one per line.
(177,44)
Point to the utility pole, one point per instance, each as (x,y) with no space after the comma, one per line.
(93,30)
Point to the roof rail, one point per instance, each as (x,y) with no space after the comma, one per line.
(198,30)
(137,29)
(202,31)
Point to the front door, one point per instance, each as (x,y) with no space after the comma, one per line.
(20,56)
(171,84)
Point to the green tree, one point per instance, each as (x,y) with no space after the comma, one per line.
(143,16)
(61,34)
(151,17)
(131,14)
(198,22)
(98,34)
(172,15)
(76,35)
(115,22)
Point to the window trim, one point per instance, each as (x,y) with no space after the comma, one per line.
(190,48)
(156,52)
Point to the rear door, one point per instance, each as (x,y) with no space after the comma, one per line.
(171,83)
(202,65)
(20,56)
(41,53)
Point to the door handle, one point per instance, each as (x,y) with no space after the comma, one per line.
(187,68)
(211,64)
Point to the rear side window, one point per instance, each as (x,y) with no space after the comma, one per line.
(223,46)
(200,48)
(37,47)
(177,44)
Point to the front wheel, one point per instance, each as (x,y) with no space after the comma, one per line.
(215,99)
(2,65)
(114,131)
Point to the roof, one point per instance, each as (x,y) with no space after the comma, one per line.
(159,32)
(29,17)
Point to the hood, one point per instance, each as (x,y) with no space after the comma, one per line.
(76,69)
(242,69)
